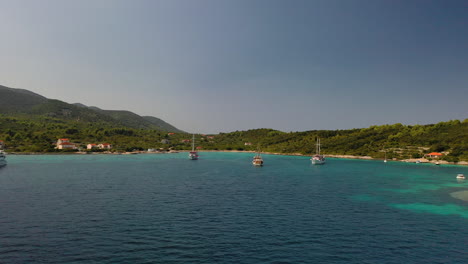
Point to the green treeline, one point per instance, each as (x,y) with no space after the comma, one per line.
(398,141)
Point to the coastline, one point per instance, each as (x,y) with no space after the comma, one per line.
(441,162)
(422,160)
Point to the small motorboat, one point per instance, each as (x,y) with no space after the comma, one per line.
(460,176)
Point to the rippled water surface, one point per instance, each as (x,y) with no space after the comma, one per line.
(164,208)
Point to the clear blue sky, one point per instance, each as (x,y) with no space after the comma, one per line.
(217,66)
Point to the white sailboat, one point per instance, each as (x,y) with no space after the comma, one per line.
(318,159)
(193,155)
(385,160)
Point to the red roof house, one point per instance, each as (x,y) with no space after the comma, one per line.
(434,155)
(66,145)
(105,146)
(91,146)
(60,141)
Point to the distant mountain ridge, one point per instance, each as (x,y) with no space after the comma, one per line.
(13,100)
(136,121)
(24,102)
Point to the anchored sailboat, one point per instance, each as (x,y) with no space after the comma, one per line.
(193,155)
(318,159)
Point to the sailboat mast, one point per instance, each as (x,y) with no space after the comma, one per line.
(193,142)
(318,146)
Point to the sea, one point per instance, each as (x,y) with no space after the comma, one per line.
(165,208)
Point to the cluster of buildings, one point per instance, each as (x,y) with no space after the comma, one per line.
(99,146)
(64,143)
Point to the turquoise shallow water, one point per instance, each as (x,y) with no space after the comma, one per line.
(164,208)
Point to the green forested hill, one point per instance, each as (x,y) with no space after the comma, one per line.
(32,123)
(133,120)
(161,123)
(399,141)
(39,134)
(25,104)
(26,134)
(18,100)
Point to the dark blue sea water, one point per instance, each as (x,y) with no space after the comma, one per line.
(164,208)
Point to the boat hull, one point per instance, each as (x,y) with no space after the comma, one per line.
(3,163)
(257,162)
(193,155)
(318,162)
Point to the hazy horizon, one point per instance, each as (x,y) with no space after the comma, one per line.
(219,66)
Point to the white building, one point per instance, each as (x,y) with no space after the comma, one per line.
(66,145)
(105,146)
(91,146)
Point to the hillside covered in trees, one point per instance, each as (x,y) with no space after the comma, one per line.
(24,104)
(398,141)
(38,134)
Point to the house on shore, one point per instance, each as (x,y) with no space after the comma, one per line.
(2,144)
(91,146)
(105,146)
(247,144)
(62,140)
(434,155)
(165,141)
(64,143)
